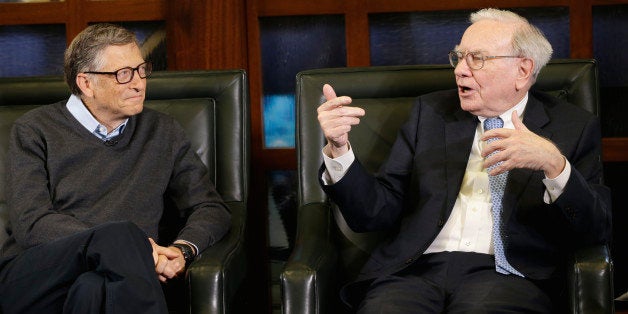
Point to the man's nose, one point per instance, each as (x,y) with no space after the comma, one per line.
(137,81)
(462,68)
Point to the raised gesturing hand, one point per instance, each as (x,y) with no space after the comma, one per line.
(336,120)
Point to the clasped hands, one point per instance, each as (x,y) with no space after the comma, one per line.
(169,261)
(516,148)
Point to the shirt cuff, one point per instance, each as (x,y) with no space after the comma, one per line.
(336,168)
(555,187)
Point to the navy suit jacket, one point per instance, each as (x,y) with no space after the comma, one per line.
(415,190)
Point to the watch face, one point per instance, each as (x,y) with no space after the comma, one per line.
(187,253)
(185,250)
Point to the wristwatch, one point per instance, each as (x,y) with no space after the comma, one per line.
(186,250)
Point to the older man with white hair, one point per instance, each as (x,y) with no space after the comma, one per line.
(487,190)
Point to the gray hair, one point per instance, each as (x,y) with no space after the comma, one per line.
(84,53)
(527,40)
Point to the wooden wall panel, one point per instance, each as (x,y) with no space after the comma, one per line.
(33,13)
(581,29)
(381,6)
(206,34)
(122,10)
(357,34)
(615,149)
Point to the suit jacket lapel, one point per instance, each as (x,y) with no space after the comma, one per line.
(459,134)
(534,118)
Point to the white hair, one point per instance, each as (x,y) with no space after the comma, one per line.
(527,40)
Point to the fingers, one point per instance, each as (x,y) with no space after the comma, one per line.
(178,265)
(168,261)
(500,133)
(336,118)
(521,148)
(335,106)
(336,127)
(169,252)
(155,254)
(517,122)
(161,264)
(333,101)
(503,132)
(498,162)
(169,268)
(329,92)
(338,102)
(343,118)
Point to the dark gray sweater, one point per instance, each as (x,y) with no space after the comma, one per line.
(62,179)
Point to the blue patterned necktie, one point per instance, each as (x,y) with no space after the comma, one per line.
(497,185)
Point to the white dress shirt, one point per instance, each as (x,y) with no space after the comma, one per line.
(469,227)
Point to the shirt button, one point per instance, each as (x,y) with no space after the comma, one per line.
(480,191)
(338,168)
(467,243)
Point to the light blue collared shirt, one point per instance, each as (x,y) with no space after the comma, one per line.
(79,111)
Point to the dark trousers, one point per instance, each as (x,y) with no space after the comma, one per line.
(107,269)
(455,282)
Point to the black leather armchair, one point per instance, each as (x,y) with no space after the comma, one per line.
(327,253)
(212,106)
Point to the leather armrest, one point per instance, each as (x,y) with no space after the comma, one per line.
(309,277)
(591,281)
(213,278)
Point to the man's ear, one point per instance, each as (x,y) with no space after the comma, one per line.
(85,84)
(524,75)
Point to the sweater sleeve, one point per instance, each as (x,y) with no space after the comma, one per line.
(32,215)
(207,217)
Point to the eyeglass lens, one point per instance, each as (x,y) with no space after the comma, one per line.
(125,75)
(474,60)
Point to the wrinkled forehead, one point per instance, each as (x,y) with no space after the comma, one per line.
(119,56)
(487,36)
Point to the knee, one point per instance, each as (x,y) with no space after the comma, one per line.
(86,295)
(124,229)
(88,282)
(113,242)
(121,234)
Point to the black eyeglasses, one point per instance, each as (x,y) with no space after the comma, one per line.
(126,74)
(475,59)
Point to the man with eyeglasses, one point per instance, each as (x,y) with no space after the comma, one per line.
(487,189)
(87,180)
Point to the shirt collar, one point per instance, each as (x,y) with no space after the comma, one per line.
(507,115)
(79,111)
